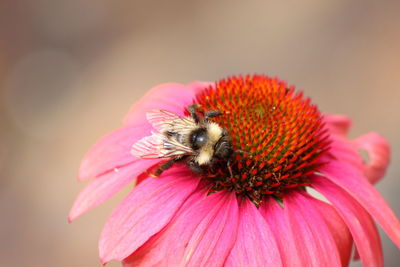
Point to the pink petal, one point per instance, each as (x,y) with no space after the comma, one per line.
(201,234)
(379,155)
(313,238)
(284,236)
(353,182)
(145,212)
(357,219)
(173,97)
(337,124)
(112,151)
(378,151)
(210,243)
(102,188)
(152,253)
(255,244)
(337,228)
(345,150)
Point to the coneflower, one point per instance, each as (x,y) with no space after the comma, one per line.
(259,212)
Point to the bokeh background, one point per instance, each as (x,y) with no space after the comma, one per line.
(70,69)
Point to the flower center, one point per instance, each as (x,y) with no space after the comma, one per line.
(278,136)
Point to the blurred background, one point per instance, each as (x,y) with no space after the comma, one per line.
(70,69)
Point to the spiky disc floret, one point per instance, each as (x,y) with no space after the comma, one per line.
(281,133)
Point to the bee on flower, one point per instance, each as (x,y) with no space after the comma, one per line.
(195,140)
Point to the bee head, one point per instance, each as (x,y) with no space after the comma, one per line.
(198,138)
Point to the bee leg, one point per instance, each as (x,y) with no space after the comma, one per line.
(192,111)
(228,164)
(163,167)
(243,152)
(195,167)
(211,114)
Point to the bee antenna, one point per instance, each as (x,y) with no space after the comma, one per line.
(211,114)
(193,113)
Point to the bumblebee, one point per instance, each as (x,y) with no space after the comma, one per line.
(192,139)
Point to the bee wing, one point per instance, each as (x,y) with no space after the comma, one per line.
(163,120)
(159,146)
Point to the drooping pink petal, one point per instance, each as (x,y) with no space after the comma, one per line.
(153,252)
(354,183)
(171,96)
(337,124)
(210,242)
(313,238)
(146,210)
(112,151)
(201,234)
(357,219)
(375,145)
(295,234)
(345,150)
(255,243)
(337,226)
(379,155)
(102,188)
(276,218)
